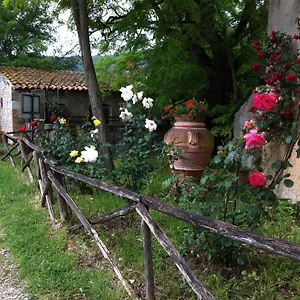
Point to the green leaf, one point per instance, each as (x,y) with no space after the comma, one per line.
(288,183)
(288,139)
(230,157)
(276,165)
(217,159)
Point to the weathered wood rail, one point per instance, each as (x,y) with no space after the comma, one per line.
(50,176)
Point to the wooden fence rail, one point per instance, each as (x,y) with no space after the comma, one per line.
(49,176)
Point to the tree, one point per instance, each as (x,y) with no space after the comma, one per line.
(189,48)
(24,30)
(80,15)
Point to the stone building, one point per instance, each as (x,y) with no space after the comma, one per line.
(28,94)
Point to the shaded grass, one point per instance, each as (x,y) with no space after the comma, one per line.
(50,271)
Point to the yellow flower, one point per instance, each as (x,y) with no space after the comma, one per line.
(92,147)
(79,160)
(62,121)
(74,153)
(96,122)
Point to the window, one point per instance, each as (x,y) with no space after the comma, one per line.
(31,104)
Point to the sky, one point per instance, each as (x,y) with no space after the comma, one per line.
(67,39)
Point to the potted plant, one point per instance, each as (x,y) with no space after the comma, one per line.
(189,137)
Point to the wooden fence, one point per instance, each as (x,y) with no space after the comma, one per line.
(50,176)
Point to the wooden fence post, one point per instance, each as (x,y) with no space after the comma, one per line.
(148,264)
(7,151)
(64,209)
(45,187)
(25,150)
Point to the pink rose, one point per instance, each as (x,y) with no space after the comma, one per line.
(265,101)
(257,178)
(254,140)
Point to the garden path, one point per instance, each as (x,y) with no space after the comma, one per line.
(9,286)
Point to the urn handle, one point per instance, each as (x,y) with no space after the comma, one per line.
(192,138)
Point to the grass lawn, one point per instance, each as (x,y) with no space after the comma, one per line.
(58,264)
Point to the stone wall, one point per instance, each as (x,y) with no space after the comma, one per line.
(5,104)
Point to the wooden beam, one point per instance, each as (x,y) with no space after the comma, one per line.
(198,287)
(27,162)
(148,263)
(275,246)
(10,150)
(108,217)
(91,231)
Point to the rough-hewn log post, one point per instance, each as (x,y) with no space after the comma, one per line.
(64,210)
(24,152)
(198,287)
(6,148)
(148,264)
(45,185)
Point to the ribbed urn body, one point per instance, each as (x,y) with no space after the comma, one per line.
(195,144)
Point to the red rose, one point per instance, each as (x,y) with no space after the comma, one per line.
(297,60)
(260,53)
(53,118)
(265,101)
(285,66)
(290,77)
(285,112)
(257,178)
(297,91)
(280,45)
(22,128)
(296,36)
(256,45)
(33,123)
(256,66)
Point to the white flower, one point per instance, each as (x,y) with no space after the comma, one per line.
(127,92)
(147,102)
(126,115)
(90,154)
(151,125)
(93,132)
(137,97)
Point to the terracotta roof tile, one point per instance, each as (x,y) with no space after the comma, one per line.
(30,78)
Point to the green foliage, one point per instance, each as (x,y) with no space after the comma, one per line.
(189,49)
(24,32)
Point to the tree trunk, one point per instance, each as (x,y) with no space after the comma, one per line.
(80,14)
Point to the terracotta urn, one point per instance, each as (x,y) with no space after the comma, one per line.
(195,143)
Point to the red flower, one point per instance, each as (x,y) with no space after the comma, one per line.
(167,108)
(297,60)
(33,123)
(273,37)
(290,77)
(297,91)
(256,66)
(285,112)
(257,178)
(22,128)
(265,101)
(296,37)
(260,53)
(280,45)
(285,66)
(53,118)
(256,45)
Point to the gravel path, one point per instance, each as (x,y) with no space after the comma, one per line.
(8,278)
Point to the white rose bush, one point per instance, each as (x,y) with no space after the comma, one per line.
(137,161)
